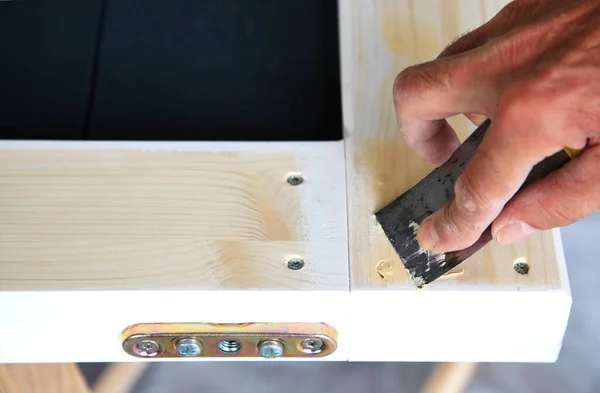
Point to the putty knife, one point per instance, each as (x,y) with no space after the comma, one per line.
(401,218)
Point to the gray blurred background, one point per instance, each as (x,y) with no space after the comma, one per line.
(576,371)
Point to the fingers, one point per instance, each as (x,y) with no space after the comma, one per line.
(559,199)
(426,94)
(512,15)
(466,42)
(476,118)
(495,173)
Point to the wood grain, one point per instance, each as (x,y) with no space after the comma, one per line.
(386,37)
(127,219)
(119,377)
(450,378)
(97,236)
(470,314)
(42,378)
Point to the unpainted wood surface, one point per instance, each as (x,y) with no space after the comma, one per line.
(119,377)
(42,378)
(380,39)
(450,378)
(144,219)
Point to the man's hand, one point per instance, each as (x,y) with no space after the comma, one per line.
(534,69)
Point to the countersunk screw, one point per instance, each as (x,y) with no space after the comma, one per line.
(312,345)
(295,179)
(270,349)
(189,347)
(521,266)
(147,348)
(295,264)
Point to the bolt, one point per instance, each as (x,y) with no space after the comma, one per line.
(312,345)
(295,179)
(147,348)
(189,347)
(521,266)
(295,264)
(229,346)
(270,349)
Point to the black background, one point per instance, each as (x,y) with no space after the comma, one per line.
(169,70)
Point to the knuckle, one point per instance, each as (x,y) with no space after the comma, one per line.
(404,86)
(457,230)
(469,196)
(417,78)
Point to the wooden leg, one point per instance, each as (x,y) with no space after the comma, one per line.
(42,378)
(119,377)
(450,378)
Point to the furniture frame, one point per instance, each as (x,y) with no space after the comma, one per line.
(99,236)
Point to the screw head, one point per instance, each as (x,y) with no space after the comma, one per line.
(521,266)
(312,345)
(189,347)
(295,264)
(270,349)
(229,346)
(146,348)
(295,179)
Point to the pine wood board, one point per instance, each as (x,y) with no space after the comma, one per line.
(470,314)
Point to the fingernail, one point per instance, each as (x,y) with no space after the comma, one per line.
(427,235)
(514,232)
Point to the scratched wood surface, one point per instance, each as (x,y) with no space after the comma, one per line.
(42,378)
(379,39)
(138,219)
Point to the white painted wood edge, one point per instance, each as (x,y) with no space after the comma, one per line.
(74,320)
(87,326)
(459,326)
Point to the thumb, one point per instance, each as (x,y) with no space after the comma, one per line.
(561,198)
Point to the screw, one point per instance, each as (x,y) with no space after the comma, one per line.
(295,264)
(295,179)
(270,349)
(229,346)
(189,347)
(147,348)
(312,345)
(521,266)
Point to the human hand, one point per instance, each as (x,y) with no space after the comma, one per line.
(534,69)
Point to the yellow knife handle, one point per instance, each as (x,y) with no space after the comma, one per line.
(573,152)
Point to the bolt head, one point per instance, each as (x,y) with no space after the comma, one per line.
(270,349)
(147,348)
(295,264)
(295,179)
(312,345)
(189,347)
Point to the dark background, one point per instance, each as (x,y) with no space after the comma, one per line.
(169,70)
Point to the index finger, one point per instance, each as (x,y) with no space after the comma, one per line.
(511,147)
(425,94)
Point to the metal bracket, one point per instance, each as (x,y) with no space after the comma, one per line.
(193,340)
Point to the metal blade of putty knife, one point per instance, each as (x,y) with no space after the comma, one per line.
(401,218)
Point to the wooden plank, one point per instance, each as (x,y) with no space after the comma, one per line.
(475,313)
(119,377)
(97,236)
(450,378)
(41,378)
